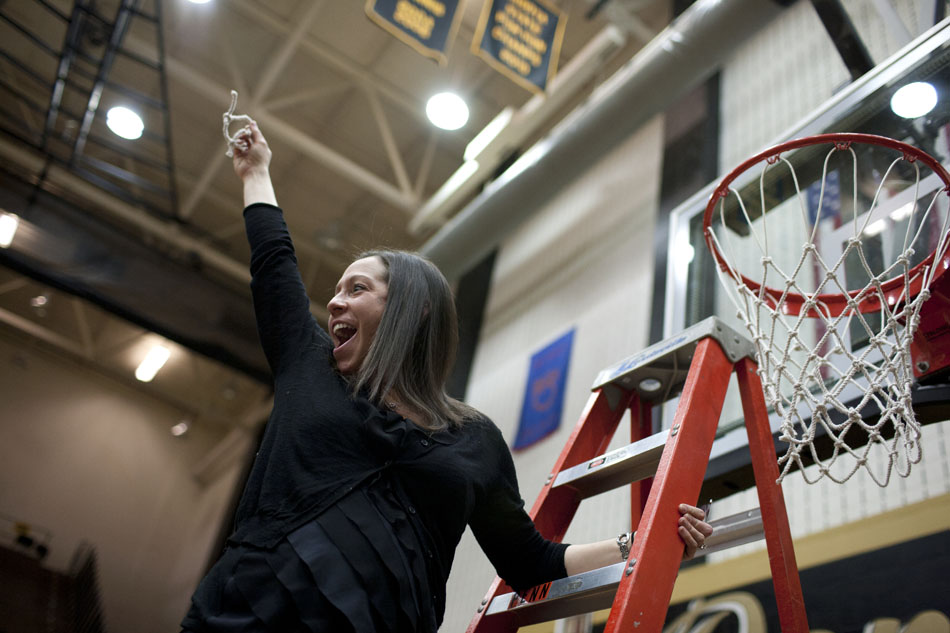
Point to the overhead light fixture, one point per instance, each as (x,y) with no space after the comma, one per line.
(688,254)
(125,123)
(39,303)
(914,100)
(447,110)
(488,134)
(8,226)
(199,1)
(152,362)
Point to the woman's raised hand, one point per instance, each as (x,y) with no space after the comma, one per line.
(252,163)
(251,153)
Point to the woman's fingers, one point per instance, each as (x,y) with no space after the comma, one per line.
(689,540)
(686,509)
(693,529)
(251,151)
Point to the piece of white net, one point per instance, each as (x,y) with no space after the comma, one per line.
(806,361)
(229,117)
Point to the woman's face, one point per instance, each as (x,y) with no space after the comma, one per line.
(355,311)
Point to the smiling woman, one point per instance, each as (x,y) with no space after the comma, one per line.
(355,311)
(368,472)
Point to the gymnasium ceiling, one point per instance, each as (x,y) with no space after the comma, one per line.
(342,104)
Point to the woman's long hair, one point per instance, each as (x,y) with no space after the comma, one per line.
(414,348)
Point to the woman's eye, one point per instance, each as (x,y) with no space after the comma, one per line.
(358,287)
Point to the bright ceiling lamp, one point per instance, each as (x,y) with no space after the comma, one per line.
(152,362)
(447,110)
(914,100)
(125,122)
(8,226)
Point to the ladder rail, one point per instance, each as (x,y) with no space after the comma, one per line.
(644,593)
(778,536)
(678,457)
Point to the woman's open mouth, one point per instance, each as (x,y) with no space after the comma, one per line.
(343,333)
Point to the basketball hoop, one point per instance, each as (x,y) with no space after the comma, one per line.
(840,311)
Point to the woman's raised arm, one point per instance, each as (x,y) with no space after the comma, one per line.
(252,165)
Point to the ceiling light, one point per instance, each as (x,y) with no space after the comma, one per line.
(688,254)
(125,122)
(914,100)
(152,362)
(39,303)
(447,110)
(488,134)
(8,225)
(199,1)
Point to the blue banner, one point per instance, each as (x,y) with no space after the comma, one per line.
(544,394)
(426,25)
(521,39)
(830,204)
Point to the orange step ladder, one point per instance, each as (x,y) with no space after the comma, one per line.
(698,363)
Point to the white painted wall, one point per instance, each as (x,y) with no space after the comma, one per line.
(585,261)
(90,459)
(786,71)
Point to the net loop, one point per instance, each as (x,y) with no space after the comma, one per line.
(805,311)
(228,118)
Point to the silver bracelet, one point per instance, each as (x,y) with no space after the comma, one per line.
(624,541)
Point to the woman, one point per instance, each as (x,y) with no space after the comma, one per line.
(368,472)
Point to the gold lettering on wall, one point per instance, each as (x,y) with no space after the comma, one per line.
(415,19)
(710,612)
(517,28)
(521,38)
(435,7)
(703,615)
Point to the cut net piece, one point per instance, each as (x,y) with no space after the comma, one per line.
(228,118)
(804,316)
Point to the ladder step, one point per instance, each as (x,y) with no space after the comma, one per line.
(659,372)
(733,531)
(591,591)
(624,465)
(594,590)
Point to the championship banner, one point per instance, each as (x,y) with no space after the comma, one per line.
(426,25)
(544,394)
(521,39)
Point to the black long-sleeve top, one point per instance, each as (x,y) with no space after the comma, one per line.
(321,441)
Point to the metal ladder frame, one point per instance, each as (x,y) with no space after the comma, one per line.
(699,362)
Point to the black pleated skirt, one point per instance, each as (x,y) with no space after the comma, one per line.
(359,566)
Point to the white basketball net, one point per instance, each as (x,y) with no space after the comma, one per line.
(807,381)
